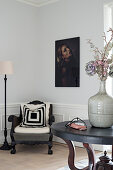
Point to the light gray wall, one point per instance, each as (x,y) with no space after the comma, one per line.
(67,19)
(27,37)
(19,43)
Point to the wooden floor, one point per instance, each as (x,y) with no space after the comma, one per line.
(35,157)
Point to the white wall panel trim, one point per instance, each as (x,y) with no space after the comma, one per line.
(37,3)
(62,112)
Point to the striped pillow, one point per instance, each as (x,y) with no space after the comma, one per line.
(34,118)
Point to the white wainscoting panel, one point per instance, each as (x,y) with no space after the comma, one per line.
(62,112)
(58,118)
(12,109)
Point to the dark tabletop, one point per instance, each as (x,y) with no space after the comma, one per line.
(92,135)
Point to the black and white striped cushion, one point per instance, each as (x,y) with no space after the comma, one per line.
(34,118)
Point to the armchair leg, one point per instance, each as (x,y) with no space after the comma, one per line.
(13,143)
(50,152)
(13,150)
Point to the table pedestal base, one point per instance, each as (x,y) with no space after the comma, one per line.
(91,156)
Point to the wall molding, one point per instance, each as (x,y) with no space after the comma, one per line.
(10,105)
(37,3)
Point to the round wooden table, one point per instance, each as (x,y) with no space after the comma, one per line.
(90,136)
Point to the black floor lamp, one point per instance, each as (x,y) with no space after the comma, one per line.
(6,67)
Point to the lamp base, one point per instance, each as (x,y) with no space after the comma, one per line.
(5,146)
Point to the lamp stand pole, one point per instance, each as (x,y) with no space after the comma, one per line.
(5,146)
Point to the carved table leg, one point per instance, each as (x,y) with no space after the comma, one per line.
(91,156)
(112,154)
(71,157)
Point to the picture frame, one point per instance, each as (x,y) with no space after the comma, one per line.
(67,62)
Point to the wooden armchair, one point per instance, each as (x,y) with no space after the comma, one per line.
(31,135)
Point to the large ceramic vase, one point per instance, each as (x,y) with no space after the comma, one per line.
(100,108)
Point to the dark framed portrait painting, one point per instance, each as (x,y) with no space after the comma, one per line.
(67,62)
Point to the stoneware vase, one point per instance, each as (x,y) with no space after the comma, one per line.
(100,108)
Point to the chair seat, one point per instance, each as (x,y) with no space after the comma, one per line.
(19,129)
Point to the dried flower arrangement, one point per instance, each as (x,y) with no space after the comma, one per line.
(103,64)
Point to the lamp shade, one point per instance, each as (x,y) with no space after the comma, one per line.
(6,67)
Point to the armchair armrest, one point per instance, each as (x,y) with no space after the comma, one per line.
(51,119)
(51,116)
(15,121)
